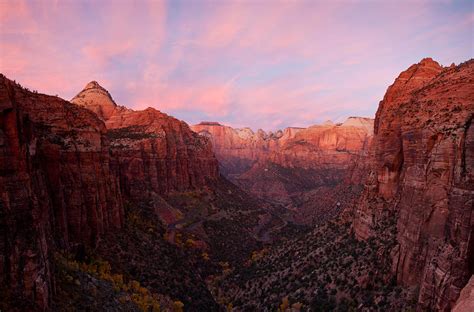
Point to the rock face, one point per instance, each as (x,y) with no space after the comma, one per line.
(55,187)
(465,302)
(422,167)
(152,153)
(327,145)
(97,99)
(237,149)
(64,176)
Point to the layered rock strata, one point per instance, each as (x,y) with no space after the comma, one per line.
(422,167)
(152,153)
(325,145)
(55,187)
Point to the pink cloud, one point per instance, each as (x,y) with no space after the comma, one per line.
(16,18)
(101,53)
(10,62)
(213,99)
(291,62)
(47,46)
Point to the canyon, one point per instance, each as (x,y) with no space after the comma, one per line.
(74,179)
(295,166)
(365,214)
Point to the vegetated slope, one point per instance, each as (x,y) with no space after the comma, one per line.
(327,269)
(141,253)
(219,231)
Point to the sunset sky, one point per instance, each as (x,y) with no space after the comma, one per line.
(263,64)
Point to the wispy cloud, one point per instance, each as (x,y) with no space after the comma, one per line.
(264,64)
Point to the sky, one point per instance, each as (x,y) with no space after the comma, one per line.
(257,63)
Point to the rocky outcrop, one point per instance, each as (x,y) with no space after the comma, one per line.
(56,188)
(64,175)
(465,303)
(421,165)
(97,99)
(152,153)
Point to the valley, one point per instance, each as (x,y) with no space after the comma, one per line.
(103,207)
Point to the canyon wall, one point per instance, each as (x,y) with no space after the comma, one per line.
(65,175)
(421,166)
(55,186)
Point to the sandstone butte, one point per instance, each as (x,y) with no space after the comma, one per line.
(153,153)
(422,168)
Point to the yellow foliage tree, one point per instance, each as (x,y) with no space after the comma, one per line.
(284,304)
(178,239)
(190,243)
(178,306)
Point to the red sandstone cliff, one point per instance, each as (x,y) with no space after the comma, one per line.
(55,186)
(64,176)
(152,153)
(326,145)
(313,171)
(465,302)
(422,168)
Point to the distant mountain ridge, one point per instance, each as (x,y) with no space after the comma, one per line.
(293,146)
(296,167)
